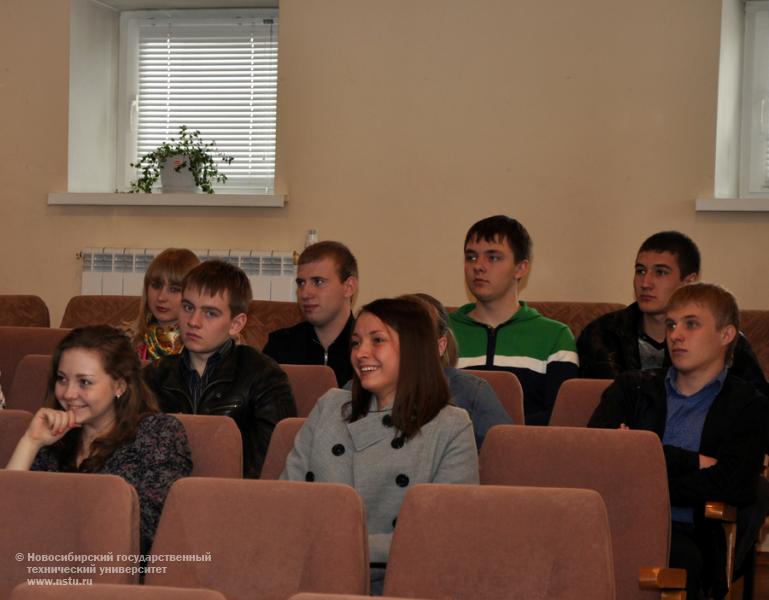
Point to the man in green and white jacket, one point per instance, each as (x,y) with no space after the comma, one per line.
(500,332)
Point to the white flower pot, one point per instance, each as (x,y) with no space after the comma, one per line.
(176,181)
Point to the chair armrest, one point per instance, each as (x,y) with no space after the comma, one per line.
(670,582)
(720,511)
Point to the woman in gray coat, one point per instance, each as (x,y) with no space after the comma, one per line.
(394,429)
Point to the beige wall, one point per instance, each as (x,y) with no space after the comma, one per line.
(401,122)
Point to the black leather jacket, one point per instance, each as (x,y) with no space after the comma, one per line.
(246,385)
(609,346)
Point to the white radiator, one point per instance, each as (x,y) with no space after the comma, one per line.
(120,271)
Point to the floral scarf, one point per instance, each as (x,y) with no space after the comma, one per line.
(160,341)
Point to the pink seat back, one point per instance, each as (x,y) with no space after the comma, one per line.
(216,445)
(576,401)
(65,514)
(308,383)
(13,424)
(266,539)
(626,467)
(500,543)
(281,443)
(30,383)
(17,342)
(508,390)
(107,591)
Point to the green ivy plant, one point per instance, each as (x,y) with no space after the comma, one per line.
(199,158)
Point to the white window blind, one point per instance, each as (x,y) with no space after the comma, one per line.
(213,71)
(754,162)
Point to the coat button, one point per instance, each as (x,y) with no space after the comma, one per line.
(337,450)
(387,421)
(310,476)
(398,442)
(402,480)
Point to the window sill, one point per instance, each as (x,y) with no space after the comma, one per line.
(732,205)
(215,200)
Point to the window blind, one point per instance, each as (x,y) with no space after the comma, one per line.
(216,75)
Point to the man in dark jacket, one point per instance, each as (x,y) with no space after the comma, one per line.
(213,375)
(326,284)
(634,338)
(712,425)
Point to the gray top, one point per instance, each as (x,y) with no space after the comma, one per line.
(363,455)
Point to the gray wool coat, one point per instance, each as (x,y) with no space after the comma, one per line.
(363,455)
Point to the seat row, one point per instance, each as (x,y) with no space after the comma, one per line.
(523,533)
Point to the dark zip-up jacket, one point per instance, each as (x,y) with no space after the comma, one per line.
(246,385)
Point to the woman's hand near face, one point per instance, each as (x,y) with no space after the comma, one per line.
(47,427)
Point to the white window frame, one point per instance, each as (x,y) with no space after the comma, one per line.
(754,134)
(128,84)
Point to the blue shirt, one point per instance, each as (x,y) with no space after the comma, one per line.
(684,423)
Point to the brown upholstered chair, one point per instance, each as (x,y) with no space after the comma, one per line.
(310,596)
(497,542)
(30,383)
(99,310)
(508,390)
(62,513)
(23,311)
(281,443)
(216,445)
(13,424)
(17,342)
(626,467)
(308,383)
(755,325)
(575,314)
(265,316)
(108,591)
(576,401)
(267,539)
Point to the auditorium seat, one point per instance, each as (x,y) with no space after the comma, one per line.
(216,445)
(107,591)
(60,514)
(500,543)
(626,467)
(17,342)
(23,311)
(30,383)
(576,401)
(281,443)
(266,316)
(99,310)
(13,424)
(266,539)
(308,383)
(508,390)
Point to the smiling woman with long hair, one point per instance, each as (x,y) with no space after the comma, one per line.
(101,418)
(395,428)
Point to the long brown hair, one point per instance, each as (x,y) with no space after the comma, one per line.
(171,265)
(120,362)
(422,390)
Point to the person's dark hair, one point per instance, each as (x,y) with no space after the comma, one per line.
(422,390)
(119,361)
(346,265)
(214,277)
(171,265)
(679,245)
(721,303)
(441,319)
(500,228)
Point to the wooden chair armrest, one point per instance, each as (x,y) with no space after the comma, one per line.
(721,511)
(671,583)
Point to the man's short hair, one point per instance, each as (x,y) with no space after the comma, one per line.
(499,228)
(346,265)
(214,277)
(678,244)
(720,302)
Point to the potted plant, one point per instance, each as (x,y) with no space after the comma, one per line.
(187,152)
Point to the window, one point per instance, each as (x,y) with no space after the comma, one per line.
(212,70)
(754,163)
